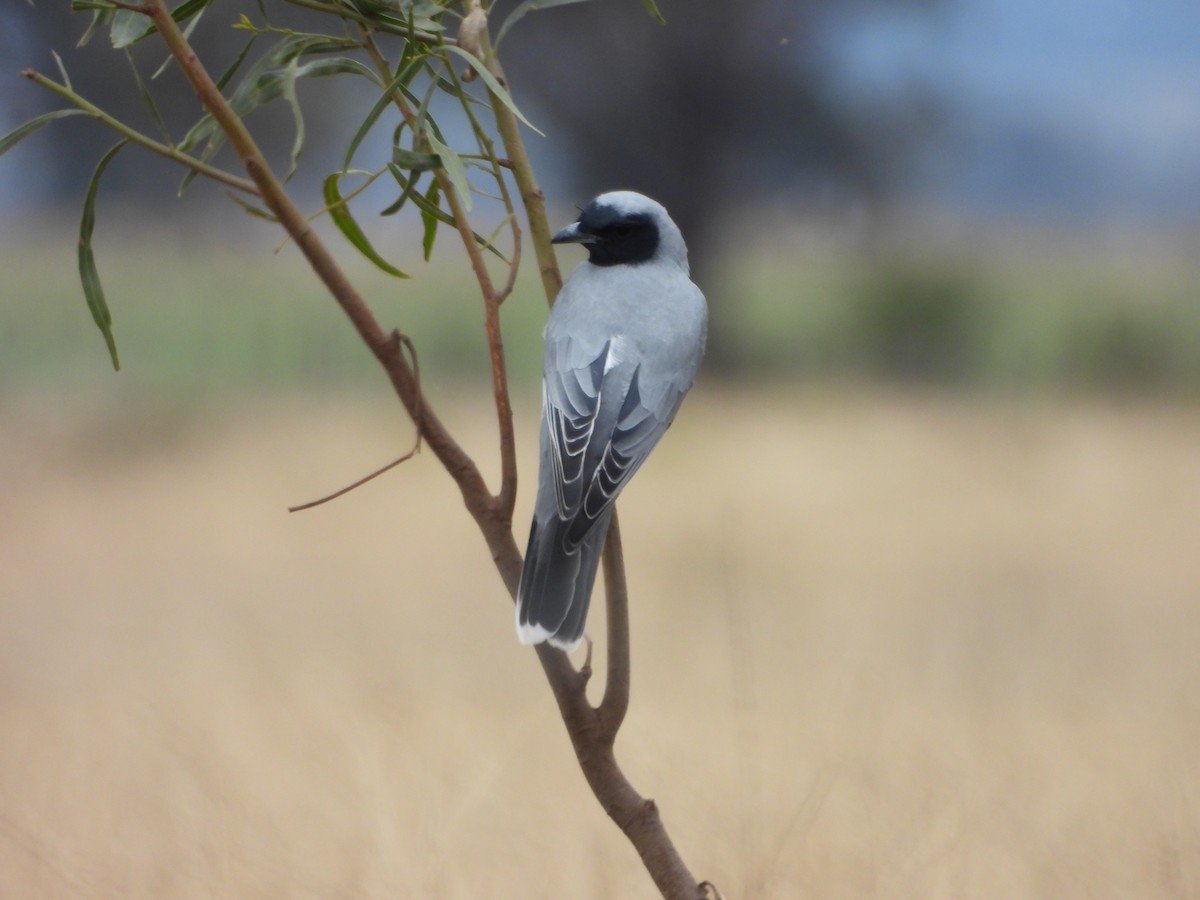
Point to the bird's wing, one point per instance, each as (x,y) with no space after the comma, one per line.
(601,427)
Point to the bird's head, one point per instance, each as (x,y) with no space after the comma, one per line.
(625,228)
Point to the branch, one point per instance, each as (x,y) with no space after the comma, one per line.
(386,348)
(592,730)
(615,702)
(491,312)
(505,499)
(299,507)
(531,195)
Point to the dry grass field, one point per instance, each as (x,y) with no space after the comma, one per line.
(886,645)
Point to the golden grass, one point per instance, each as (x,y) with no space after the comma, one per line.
(885,646)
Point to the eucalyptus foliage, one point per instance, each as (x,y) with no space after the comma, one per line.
(410,51)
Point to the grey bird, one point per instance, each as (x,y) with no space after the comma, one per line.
(622,346)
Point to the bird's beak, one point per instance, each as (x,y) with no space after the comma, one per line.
(572,235)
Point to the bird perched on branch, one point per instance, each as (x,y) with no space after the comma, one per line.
(623,343)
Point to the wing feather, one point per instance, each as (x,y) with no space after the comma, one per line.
(600,429)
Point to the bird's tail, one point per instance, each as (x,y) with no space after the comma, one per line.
(556,584)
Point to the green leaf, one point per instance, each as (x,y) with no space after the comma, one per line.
(453,166)
(403,76)
(100,18)
(21,132)
(422,105)
(128,27)
(368,123)
(432,209)
(62,70)
(407,184)
(339,211)
(207,126)
(414,161)
(274,76)
(187,34)
(236,64)
(493,85)
(338,65)
(271,76)
(652,8)
(289,96)
(89,277)
(257,211)
(419,16)
(430,219)
(523,9)
(148,99)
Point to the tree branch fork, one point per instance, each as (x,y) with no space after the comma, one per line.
(592,729)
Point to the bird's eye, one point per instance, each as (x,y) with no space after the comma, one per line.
(622,230)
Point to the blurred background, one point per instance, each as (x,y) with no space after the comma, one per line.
(914,576)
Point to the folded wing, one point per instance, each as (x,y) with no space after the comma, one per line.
(602,421)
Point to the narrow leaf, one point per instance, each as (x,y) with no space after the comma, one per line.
(187,34)
(338,65)
(367,124)
(407,183)
(523,9)
(417,162)
(21,132)
(100,18)
(148,99)
(62,70)
(430,219)
(403,77)
(293,102)
(89,277)
(215,143)
(493,85)
(453,166)
(257,211)
(127,28)
(339,211)
(444,217)
(652,8)
(236,64)
(206,127)
(423,108)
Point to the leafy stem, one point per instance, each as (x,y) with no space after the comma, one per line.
(591,729)
(387,23)
(387,348)
(133,135)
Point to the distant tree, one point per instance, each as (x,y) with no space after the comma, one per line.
(731,105)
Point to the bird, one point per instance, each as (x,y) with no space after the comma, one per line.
(623,343)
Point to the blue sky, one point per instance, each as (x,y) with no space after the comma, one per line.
(1064,107)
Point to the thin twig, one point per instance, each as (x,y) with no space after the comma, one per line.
(531,195)
(592,731)
(386,349)
(357,484)
(172,153)
(505,499)
(615,702)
